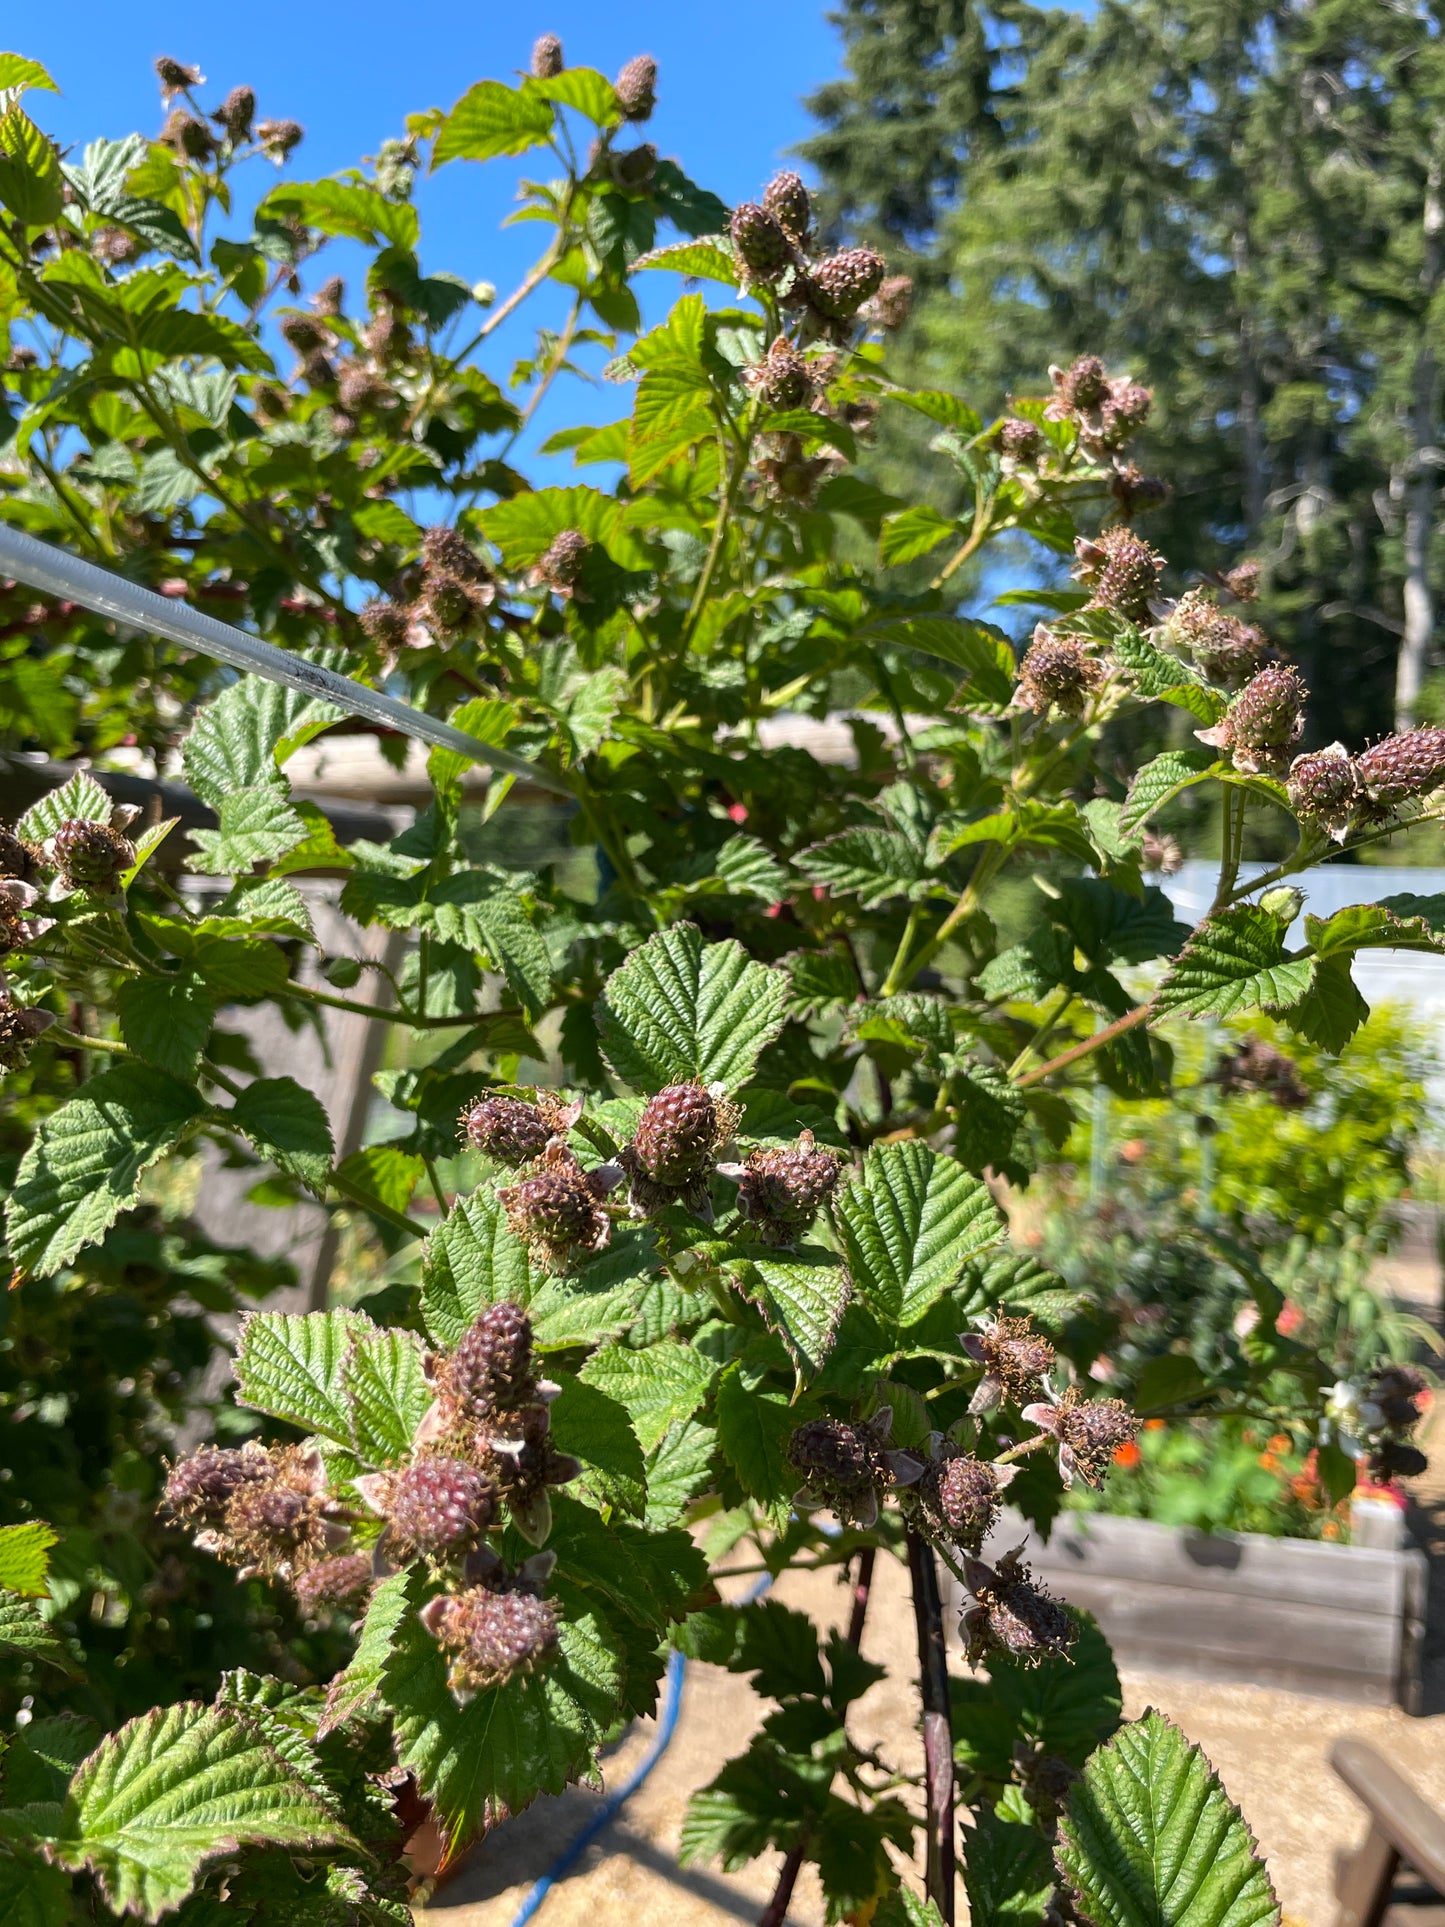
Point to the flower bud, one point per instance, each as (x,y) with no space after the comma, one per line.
(787,200)
(636,88)
(547,60)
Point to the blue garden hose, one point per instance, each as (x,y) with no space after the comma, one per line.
(613,1804)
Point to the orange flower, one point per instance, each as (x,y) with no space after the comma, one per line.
(1269,1461)
(1330,1529)
(1133,1150)
(1153,1425)
(1281,1442)
(1127,1454)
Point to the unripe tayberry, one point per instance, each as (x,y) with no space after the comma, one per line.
(304,333)
(91,856)
(1057,672)
(1266,712)
(1083,384)
(333,1582)
(557,1211)
(786,199)
(840,285)
(893,303)
(236,113)
(491,1635)
(561,563)
(490,1372)
(966,1493)
(505,1128)
(279,137)
(198,1489)
(19,1028)
(1324,787)
(1090,1431)
(1242,581)
(176,74)
(187,136)
(761,247)
(676,1133)
(440,1505)
(781,1191)
(782,377)
(1011,1614)
(1224,647)
(1404,766)
(1020,441)
(838,1461)
(1014,1358)
(385,624)
(547,60)
(17,859)
(1122,570)
(636,88)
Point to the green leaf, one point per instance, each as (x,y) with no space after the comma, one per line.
(503,1747)
(31,183)
(25,1557)
(1375,926)
(874,865)
(909,1221)
(677,1471)
(753,1429)
(524,527)
(177,1788)
(1157,782)
(596,1429)
(659,1386)
(79,798)
(1332,1009)
(1151,1838)
(1161,678)
(256,825)
(482,912)
(802,1296)
(31,1893)
(904,1909)
(983,652)
(383,1383)
(348,208)
(1065,1706)
(293,1365)
(384,1172)
(289,1125)
(233,743)
(490,120)
(649,1576)
(358,1687)
(1008,1872)
(86,1160)
(166,1020)
(23,1631)
(18,73)
(680,1009)
(916,532)
(1235,961)
(708,259)
(584,88)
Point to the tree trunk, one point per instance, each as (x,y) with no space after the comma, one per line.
(1419,596)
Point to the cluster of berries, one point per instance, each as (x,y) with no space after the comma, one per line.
(444,599)
(1106,412)
(772,240)
(189,137)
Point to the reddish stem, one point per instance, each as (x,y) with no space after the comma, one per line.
(776,1911)
(937,1725)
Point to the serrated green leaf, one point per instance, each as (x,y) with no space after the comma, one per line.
(473,1260)
(166,1020)
(18,73)
(25,1557)
(32,1894)
(709,259)
(175,1789)
(1161,678)
(289,1125)
(1374,926)
(483,913)
(584,88)
(503,1747)
(914,533)
(1332,1009)
(596,1428)
(358,1687)
(680,1010)
(23,1631)
(802,1296)
(1162,779)
(1065,1706)
(1151,1838)
(904,1909)
(909,1221)
(1008,1872)
(1234,961)
(293,1365)
(383,1383)
(982,651)
(31,183)
(86,1160)
(233,743)
(491,119)
(651,1577)
(753,1429)
(678,1470)
(255,826)
(874,865)
(527,525)
(80,798)
(349,208)
(659,1385)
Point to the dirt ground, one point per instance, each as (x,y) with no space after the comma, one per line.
(1270,1747)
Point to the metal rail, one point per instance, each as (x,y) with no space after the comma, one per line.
(40,565)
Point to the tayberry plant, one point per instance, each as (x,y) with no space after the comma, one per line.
(847,909)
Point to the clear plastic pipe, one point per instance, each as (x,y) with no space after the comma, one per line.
(40,565)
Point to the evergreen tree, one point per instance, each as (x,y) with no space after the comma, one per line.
(1238,200)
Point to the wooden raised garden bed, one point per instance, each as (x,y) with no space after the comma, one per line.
(1346,1621)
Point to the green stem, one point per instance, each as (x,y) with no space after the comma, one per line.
(1140,1014)
(1047,1022)
(436,1185)
(58,1034)
(905,944)
(353,1194)
(985,871)
(715,548)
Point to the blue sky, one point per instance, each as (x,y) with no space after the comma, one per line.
(731,83)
